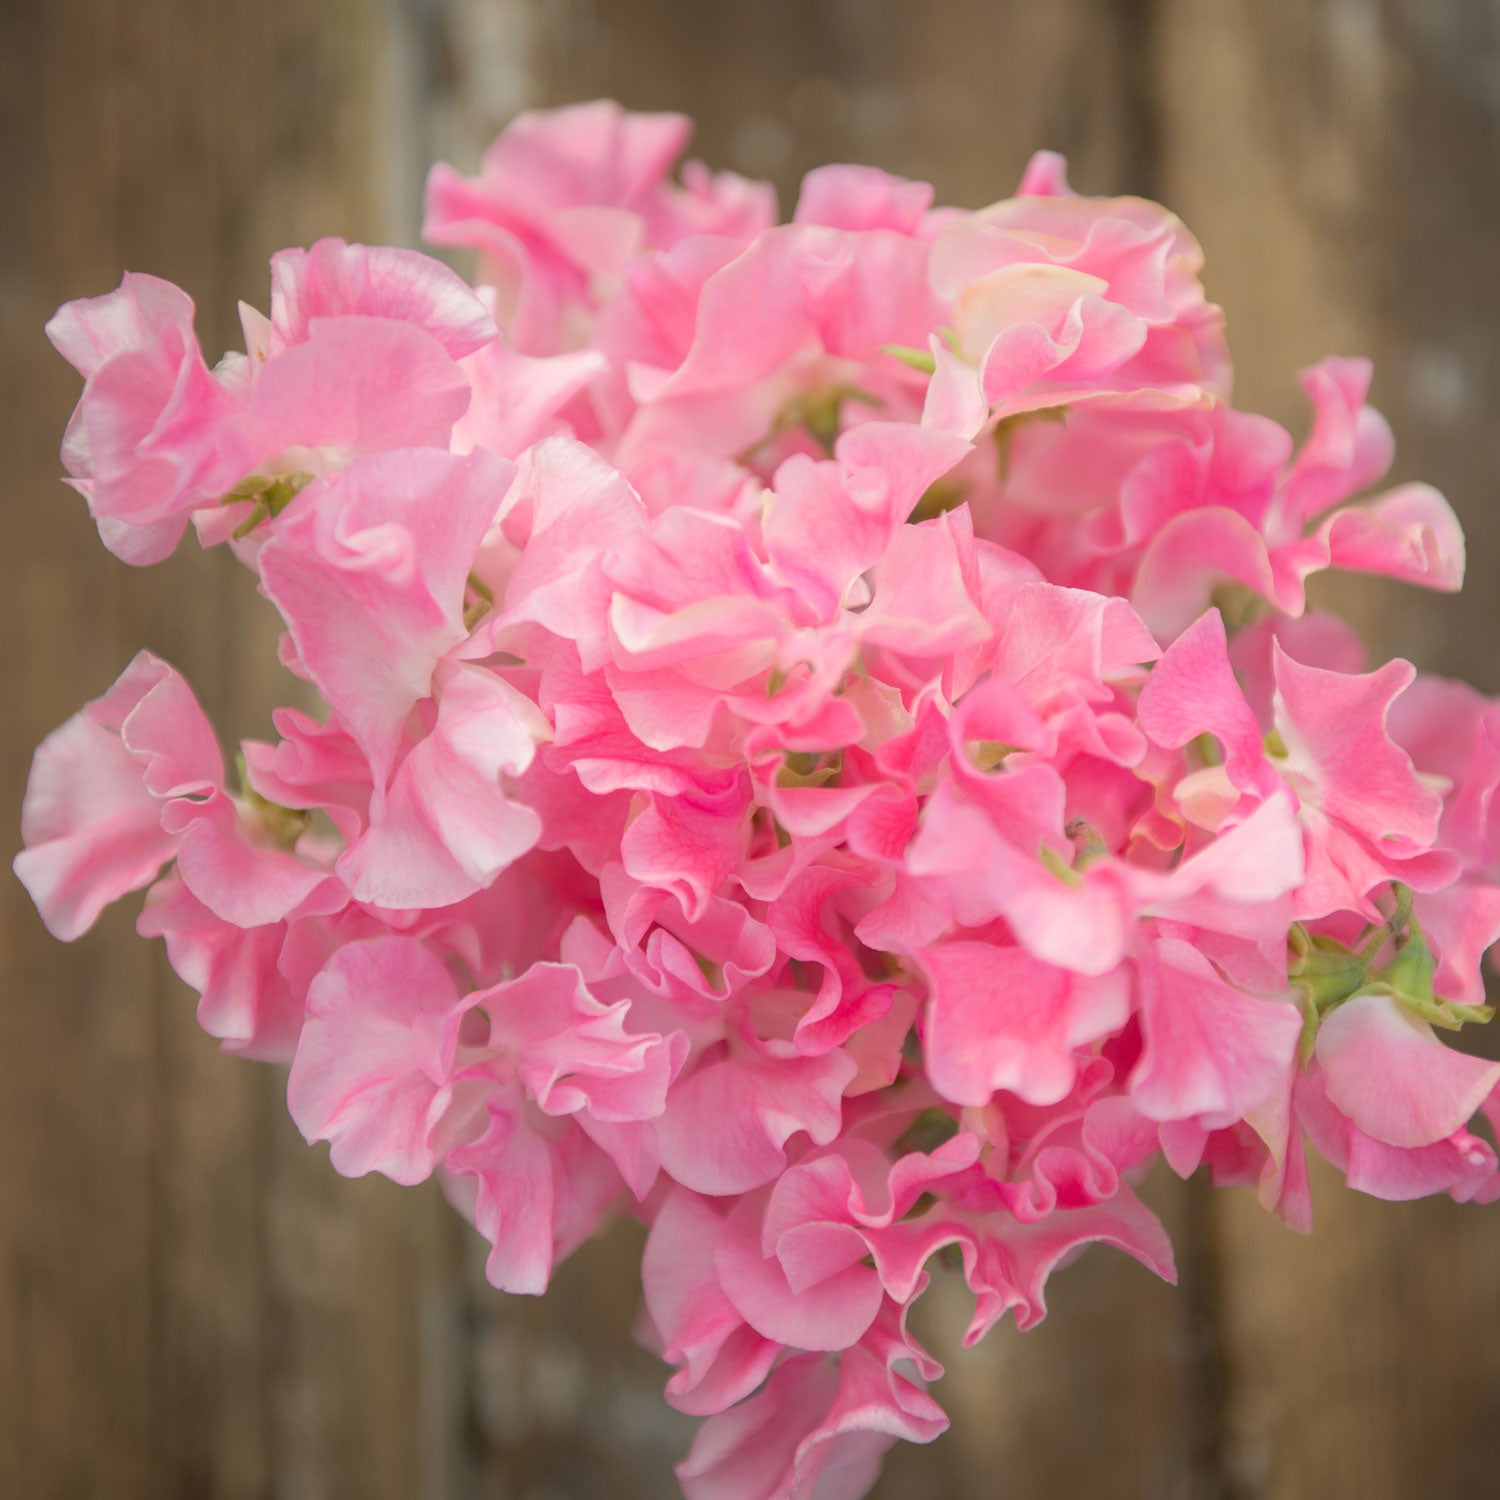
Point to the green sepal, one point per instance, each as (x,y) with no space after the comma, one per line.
(1057,865)
(1208,749)
(285,825)
(916,359)
(258,513)
(482,602)
(821,412)
(267,494)
(804,768)
(932,1128)
(1311,1020)
(1448,1014)
(941,496)
(1239,605)
(1005,430)
(248,488)
(989,755)
(1327,974)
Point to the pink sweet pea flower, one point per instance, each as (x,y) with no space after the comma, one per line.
(565,197)
(785,774)
(817,1428)
(1367,816)
(338,280)
(92,821)
(358,355)
(369,571)
(142,445)
(1385,1070)
(374,1071)
(135,780)
(1056,299)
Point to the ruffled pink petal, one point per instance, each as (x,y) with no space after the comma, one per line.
(534,1188)
(334,279)
(833,1313)
(92,816)
(853,197)
(354,385)
(373,1070)
(572,1051)
(816,1432)
(727,1123)
(1410,534)
(1211,1051)
(244,999)
(447,826)
(723,1359)
(1193,691)
(832,521)
(1385,1070)
(369,573)
(1000,1018)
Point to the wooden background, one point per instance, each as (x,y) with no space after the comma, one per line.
(192,1305)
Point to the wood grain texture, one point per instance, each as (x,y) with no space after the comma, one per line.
(191,1303)
(1341,164)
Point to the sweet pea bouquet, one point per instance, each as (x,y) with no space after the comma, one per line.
(824,750)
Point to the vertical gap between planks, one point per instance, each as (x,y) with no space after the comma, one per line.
(1201,1367)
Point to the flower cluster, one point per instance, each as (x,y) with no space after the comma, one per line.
(824,750)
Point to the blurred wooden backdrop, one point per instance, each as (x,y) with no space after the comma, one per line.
(192,1305)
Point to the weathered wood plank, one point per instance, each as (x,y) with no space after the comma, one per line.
(1340,164)
(194,1305)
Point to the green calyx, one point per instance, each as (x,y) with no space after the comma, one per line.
(822,412)
(1208,750)
(1006,428)
(284,825)
(819,412)
(1238,605)
(268,495)
(1327,974)
(941,496)
(915,359)
(479,599)
(1088,847)
(989,755)
(804,768)
(931,1129)
(1058,866)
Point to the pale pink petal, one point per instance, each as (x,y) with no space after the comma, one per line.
(334,279)
(853,197)
(572,1051)
(1410,533)
(832,1314)
(1386,1070)
(447,827)
(372,1074)
(727,1123)
(999,1018)
(369,573)
(723,1359)
(1210,1049)
(245,1000)
(92,816)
